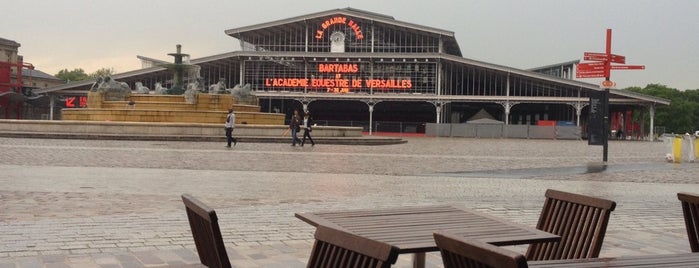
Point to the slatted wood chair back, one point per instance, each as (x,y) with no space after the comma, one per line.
(580,220)
(335,248)
(207,235)
(461,253)
(690,209)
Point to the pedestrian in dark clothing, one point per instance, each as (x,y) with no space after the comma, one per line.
(307,128)
(295,126)
(230,124)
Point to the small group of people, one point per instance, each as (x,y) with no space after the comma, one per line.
(295,126)
(297,123)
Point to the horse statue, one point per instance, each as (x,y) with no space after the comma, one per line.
(197,85)
(241,92)
(218,88)
(96,84)
(140,89)
(114,90)
(159,89)
(193,88)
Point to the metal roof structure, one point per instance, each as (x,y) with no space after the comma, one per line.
(380,20)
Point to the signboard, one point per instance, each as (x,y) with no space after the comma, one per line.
(595,58)
(607,84)
(76,101)
(339,78)
(595,127)
(628,67)
(595,54)
(589,74)
(340,20)
(589,66)
(618,59)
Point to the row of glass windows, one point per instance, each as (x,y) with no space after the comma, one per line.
(372,39)
(363,76)
(469,80)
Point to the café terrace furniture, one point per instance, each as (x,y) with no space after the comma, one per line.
(206,233)
(335,248)
(690,209)
(460,253)
(676,260)
(580,221)
(478,254)
(411,229)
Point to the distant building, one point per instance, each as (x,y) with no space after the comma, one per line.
(353,67)
(18,79)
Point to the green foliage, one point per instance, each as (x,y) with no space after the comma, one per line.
(102,72)
(682,115)
(77,74)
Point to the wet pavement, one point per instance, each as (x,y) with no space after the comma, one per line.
(102,203)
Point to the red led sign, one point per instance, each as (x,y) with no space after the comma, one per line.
(339,84)
(340,20)
(76,102)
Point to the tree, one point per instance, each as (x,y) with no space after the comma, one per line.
(682,115)
(77,74)
(102,72)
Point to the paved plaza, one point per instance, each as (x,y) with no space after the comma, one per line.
(97,203)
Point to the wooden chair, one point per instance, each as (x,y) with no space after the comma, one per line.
(335,248)
(580,220)
(207,235)
(690,209)
(460,253)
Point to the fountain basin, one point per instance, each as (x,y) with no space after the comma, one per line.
(208,108)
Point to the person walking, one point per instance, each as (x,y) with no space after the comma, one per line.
(307,128)
(295,126)
(230,124)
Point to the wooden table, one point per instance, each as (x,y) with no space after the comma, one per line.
(660,261)
(411,228)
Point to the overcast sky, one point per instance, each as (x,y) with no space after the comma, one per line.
(93,34)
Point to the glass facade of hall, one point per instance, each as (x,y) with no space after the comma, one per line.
(360,35)
(389,68)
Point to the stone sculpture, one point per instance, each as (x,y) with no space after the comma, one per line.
(197,85)
(96,84)
(113,90)
(218,88)
(140,89)
(159,89)
(190,95)
(242,92)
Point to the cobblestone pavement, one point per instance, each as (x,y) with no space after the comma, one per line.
(87,203)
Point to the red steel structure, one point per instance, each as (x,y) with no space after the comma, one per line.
(8,86)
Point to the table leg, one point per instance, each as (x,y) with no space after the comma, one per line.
(419,260)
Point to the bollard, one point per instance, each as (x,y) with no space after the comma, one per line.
(667,142)
(688,148)
(677,149)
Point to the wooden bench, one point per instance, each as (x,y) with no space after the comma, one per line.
(690,209)
(335,248)
(206,233)
(460,253)
(580,220)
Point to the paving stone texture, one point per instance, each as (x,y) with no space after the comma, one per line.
(111,204)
